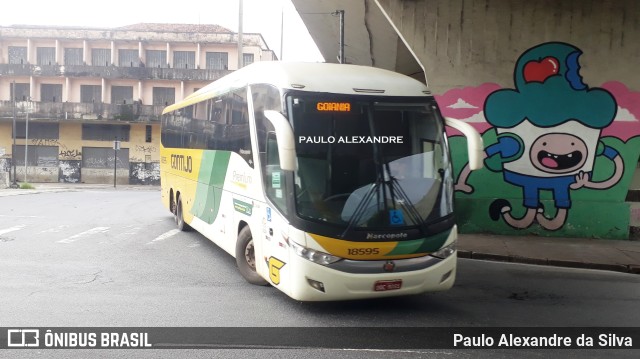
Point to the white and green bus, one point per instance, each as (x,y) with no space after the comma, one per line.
(327,181)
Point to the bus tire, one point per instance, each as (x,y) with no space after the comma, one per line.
(246,258)
(182,225)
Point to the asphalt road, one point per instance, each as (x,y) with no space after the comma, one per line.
(107,258)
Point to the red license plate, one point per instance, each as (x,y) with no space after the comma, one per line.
(384,285)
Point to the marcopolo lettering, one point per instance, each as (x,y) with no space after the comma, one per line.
(386,235)
(182,163)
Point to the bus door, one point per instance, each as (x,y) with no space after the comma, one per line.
(275,226)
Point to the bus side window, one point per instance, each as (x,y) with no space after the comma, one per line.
(272,150)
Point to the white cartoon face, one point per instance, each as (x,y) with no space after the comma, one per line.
(560,150)
(558,153)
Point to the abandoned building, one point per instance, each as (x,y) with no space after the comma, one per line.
(72,92)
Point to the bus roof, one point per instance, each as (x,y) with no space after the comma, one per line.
(311,76)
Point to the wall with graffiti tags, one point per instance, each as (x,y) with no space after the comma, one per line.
(64,156)
(560,152)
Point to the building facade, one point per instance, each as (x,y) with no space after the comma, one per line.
(73,92)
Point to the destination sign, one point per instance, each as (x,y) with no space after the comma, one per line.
(333,106)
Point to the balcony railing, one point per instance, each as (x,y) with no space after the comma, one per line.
(112,72)
(61,111)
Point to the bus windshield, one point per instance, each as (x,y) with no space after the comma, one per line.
(370,162)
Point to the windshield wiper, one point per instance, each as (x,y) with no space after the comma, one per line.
(380,185)
(362,205)
(411,208)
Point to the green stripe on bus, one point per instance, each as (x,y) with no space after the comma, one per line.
(423,245)
(213,170)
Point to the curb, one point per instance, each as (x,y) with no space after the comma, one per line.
(632,269)
(55,189)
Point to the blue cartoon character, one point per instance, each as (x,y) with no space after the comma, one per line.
(548,130)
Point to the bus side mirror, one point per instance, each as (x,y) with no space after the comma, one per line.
(286,140)
(475,146)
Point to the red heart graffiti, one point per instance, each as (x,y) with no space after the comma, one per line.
(539,71)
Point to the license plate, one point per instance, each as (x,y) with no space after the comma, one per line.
(384,285)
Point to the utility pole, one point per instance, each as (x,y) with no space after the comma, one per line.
(13,152)
(281,28)
(116,147)
(340,13)
(26,145)
(240,15)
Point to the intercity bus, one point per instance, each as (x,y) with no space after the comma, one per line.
(326,181)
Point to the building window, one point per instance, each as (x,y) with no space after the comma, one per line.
(100,57)
(46,55)
(90,93)
(101,132)
(156,58)
(50,93)
(184,60)
(41,156)
(17,54)
(73,57)
(217,60)
(22,91)
(164,96)
(148,133)
(128,58)
(104,158)
(121,95)
(38,130)
(247,59)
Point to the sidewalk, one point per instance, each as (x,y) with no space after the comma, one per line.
(604,254)
(71,187)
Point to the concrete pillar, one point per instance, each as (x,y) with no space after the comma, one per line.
(169,57)
(58,53)
(85,50)
(30,59)
(198,56)
(113,53)
(103,83)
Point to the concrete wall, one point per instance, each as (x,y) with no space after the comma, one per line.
(470,42)
(553,88)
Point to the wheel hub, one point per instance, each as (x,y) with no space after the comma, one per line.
(249,255)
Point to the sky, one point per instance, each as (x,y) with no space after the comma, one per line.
(260,16)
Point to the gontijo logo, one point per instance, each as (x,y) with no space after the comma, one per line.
(182,163)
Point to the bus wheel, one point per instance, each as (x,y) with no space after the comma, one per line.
(246,257)
(179,216)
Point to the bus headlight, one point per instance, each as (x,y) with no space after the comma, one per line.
(445,252)
(313,255)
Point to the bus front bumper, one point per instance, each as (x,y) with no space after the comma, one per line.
(314,282)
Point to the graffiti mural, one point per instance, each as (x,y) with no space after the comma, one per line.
(70,171)
(557,151)
(144,173)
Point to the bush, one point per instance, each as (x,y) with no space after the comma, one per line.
(26,186)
